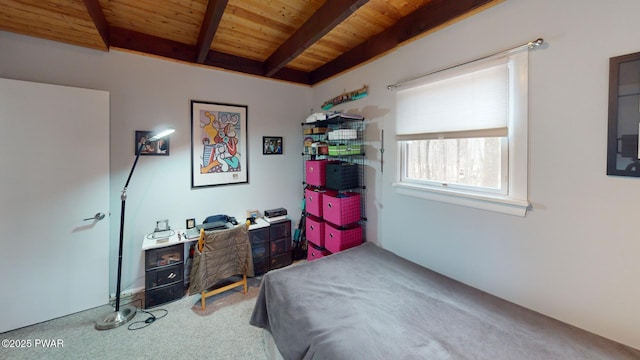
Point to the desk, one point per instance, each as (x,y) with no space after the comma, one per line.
(167,265)
(152,243)
(149,243)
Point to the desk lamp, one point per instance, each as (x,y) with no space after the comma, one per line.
(122,315)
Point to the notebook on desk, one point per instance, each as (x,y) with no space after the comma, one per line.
(194,232)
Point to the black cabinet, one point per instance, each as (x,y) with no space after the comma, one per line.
(164,275)
(271,246)
(280,254)
(259,239)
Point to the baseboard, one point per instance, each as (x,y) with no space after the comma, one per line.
(126,294)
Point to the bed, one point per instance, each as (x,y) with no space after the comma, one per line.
(368,303)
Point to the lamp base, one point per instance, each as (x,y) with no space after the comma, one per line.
(116,318)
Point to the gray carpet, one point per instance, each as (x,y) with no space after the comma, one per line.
(222,331)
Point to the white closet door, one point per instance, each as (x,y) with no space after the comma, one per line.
(54,172)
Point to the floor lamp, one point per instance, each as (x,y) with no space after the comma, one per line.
(122,315)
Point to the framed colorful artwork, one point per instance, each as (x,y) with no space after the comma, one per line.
(218,144)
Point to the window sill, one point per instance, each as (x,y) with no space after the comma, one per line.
(483,202)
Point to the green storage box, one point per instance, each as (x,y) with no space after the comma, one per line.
(337,150)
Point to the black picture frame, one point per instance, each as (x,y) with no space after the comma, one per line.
(623,153)
(191,223)
(160,147)
(219,144)
(272,145)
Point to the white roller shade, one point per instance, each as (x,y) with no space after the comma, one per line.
(460,101)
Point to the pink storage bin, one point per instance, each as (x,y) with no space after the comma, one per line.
(315,172)
(313,202)
(315,230)
(341,209)
(336,239)
(315,253)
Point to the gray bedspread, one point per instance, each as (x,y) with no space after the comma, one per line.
(367,303)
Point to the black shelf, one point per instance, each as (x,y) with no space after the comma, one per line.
(333,121)
(336,123)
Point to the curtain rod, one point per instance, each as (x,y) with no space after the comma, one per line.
(529,45)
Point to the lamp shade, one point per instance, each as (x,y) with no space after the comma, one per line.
(162,134)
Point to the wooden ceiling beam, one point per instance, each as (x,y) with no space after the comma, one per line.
(430,16)
(292,75)
(328,16)
(212,16)
(149,44)
(253,67)
(132,40)
(97,16)
(433,15)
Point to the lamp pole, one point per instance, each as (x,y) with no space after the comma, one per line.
(122,315)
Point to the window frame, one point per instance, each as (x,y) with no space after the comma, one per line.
(515,201)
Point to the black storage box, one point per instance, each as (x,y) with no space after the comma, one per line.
(259,239)
(281,260)
(260,267)
(341,175)
(163,294)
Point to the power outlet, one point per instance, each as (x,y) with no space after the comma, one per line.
(124,294)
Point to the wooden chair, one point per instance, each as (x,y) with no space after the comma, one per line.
(221,254)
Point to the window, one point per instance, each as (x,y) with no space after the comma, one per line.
(462,135)
(474,164)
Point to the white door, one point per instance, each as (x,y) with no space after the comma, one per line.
(54,172)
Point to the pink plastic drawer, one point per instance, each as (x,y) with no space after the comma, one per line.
(313,202)
(315,172)
(315,230)
(338,239)
(341,209)
(315,253)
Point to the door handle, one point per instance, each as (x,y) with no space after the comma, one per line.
(97,217)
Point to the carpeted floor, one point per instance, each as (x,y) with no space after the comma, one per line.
(222,331)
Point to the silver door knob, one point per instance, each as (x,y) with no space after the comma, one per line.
(98,216)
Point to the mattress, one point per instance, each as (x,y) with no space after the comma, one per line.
(368,303)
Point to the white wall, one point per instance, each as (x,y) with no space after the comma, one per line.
(147,93)
(575,256)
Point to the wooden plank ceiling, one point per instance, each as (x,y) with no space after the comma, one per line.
(300,41)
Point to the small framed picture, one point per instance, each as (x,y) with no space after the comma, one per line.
(191,223)
(159,147)
(272,145)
